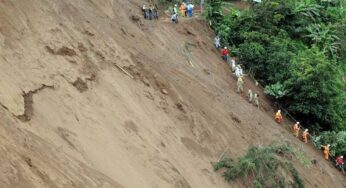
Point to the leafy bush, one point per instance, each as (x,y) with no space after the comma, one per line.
(275,90)
(337,142)
(266,166)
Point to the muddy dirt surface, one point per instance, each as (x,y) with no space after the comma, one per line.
(92,95)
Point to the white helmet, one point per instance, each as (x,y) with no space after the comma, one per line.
(297,122)
(328,145)
(341,157)
(306,130)
(225,47)
(279,110)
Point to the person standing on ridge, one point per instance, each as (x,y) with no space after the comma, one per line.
(150,12)
(240,84)
(156,12)
(144,10)
(295,129)
(278,117)
(326,151)
(305,136)
(182,9)
(224,54)
(175,11)
(189,9)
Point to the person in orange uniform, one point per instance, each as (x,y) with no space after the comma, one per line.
(182,9)
(278,117)
(305,136)
(326,151)
(295,129)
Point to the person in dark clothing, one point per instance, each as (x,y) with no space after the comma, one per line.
(144,10)
(150,11)
(156,12)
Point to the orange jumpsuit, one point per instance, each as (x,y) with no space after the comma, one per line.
(182,9)
(278,117)
(326,152)
(305,137)
(295,130)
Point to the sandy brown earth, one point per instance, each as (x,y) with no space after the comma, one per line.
(93,96)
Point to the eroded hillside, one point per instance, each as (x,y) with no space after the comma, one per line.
(93,96)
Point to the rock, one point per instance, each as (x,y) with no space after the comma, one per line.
(164,91)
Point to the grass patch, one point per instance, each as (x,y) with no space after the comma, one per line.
(268,166)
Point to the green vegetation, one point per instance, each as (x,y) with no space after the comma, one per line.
(337,142)
(296,48)
(266,166)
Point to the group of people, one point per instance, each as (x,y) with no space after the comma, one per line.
(186,10)
(254,98)
(238,71)
(296,129)
(150,12)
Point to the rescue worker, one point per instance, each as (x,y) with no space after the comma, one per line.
(326,151)
(182,9)
(278,117)
(144,10)
(296,129)
(256,100)
(240,83)
(340,163)
(305,136)
(224,54)
(250,95)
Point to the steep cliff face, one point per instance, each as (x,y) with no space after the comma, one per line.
(93,96)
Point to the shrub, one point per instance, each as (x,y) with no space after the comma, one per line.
(266,166)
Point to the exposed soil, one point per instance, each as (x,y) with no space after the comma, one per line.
(108,122)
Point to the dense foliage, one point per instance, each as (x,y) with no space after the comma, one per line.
(296,48)
(265,166)
(337,142)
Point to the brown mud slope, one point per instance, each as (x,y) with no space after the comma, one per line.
(93,96)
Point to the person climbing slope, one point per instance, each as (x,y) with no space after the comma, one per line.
(278,117)
(340,163)
(217,42)
(305,136)
(250,95)
(326,151)
(224,54)
(295,129)
(256,100)
(240,84)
